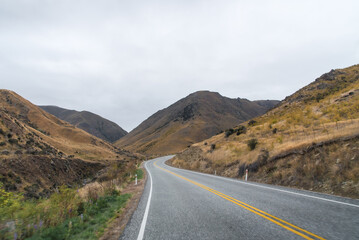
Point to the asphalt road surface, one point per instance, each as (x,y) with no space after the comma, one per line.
(181,204)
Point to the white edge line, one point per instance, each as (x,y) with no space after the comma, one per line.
(279,190)
(144,220)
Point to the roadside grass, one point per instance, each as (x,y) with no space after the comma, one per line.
(68,213)
(139,173)
(95,218)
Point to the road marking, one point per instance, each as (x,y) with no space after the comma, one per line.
(275,189)
(144,220)
(274,219)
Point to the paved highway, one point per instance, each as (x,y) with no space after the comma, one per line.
(181,204)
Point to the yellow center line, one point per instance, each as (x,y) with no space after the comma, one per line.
(250,208)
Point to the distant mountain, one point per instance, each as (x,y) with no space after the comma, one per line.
(193,118)
(39,152)
(90,122)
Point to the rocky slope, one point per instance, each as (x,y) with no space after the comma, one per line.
(189,120)
(90,122)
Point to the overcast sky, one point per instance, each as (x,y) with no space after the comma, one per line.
(125,60)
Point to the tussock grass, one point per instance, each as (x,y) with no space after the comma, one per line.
(325,110)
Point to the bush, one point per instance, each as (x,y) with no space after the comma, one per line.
(2,143)
(241,130)
(252,143)
(252,123)
(229,132)
(13,141)
(213,146)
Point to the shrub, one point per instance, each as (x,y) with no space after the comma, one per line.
(213,146)
(229,132)
(241,130)
(275,130)
(252,123)
(2,143)
(252,143)
(10,203)
(13,141)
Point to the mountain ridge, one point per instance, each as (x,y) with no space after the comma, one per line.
(89,122)
(189,120)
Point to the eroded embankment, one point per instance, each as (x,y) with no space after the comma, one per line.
(331,166)
(37,176)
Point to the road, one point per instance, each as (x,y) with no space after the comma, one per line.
(181,204)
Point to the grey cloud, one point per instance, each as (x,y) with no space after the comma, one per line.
(126,60)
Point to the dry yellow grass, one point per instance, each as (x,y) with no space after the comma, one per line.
(324,111)
(28,118)
(235,147)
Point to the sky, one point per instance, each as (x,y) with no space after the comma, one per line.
(125,60)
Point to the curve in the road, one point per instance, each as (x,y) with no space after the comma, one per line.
(274,219)
(182,204)
(275,189)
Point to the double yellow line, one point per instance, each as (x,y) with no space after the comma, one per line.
(284,224)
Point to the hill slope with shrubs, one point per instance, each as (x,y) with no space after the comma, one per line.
(191,119)
(310,140)
(57,181)
(39,151)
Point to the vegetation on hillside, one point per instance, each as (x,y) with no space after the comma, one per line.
(191,119)
(39,152)
(44,163)
(320,116)
(68,213)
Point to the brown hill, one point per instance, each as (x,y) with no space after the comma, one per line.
(90,122)
(39,151)
(191,119)
(310,140)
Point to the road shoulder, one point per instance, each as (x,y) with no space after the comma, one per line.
(117,226)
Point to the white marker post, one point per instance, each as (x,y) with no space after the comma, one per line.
(246,174)
(136,179)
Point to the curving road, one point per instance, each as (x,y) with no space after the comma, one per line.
(181,204)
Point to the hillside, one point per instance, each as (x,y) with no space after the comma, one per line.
(39,151)
(310,140)
(90,122)
(191,119)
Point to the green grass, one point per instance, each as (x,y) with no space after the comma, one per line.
(95,219)
(139,173)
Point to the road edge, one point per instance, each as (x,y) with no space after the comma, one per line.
(118,225)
